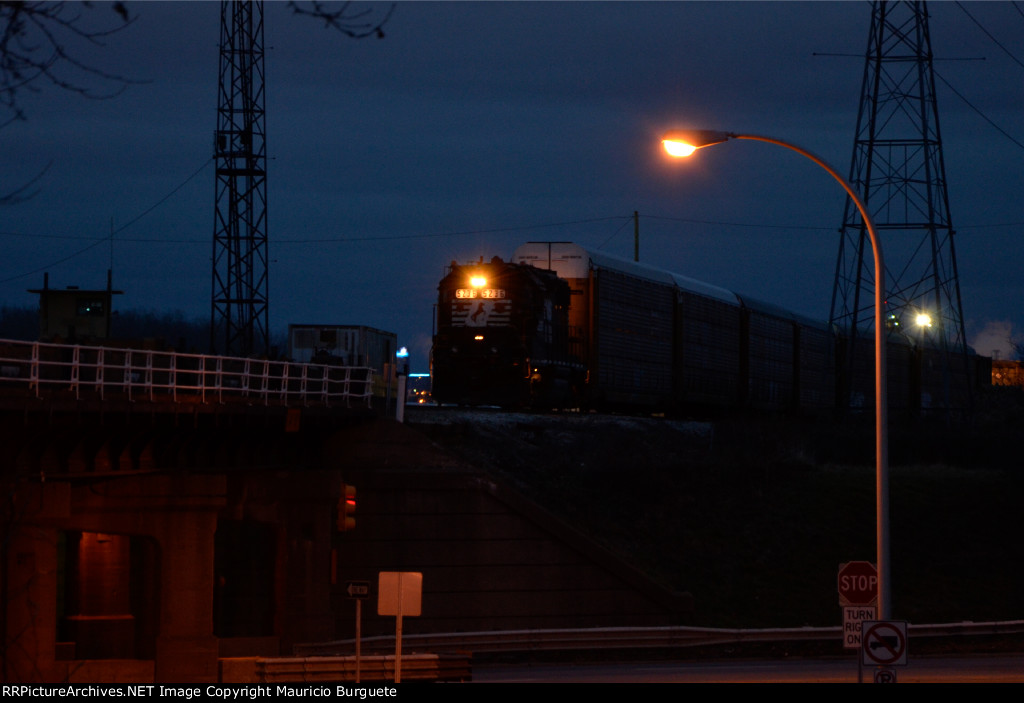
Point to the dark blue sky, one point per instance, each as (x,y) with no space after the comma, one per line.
(474,127)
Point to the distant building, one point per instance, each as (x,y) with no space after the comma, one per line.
(347,345)
(74,314)
(1007,373)
(418,389)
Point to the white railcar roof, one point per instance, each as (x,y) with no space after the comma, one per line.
(570,260)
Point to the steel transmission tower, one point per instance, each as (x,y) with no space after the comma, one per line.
(898,169)
(239,320)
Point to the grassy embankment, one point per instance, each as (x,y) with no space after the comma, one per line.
(755,517)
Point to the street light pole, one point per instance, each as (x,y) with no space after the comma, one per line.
(683,143)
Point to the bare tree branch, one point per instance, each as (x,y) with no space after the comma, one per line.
(40,42)
(354,23)
(26,191)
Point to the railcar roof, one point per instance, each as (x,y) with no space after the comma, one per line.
(571,261)
(601,260)
(772,309)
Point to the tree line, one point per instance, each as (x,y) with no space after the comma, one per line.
(169,330)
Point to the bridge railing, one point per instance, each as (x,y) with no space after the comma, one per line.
(138,374)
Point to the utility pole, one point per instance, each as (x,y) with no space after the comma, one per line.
(898,170)
(239,306)
(636,236)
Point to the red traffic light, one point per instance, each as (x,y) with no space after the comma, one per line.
(347,508)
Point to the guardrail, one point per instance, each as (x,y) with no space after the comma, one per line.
(49,370)
(415,667)
(631,637)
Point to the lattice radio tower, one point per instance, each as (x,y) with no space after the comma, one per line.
(239,319)
(898,169)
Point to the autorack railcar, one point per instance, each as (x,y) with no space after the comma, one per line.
(662,340)
(634,336)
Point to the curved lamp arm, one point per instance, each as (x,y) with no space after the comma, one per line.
(685,142)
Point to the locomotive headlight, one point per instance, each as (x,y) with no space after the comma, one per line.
(923,319)
(477,281)
(479,338)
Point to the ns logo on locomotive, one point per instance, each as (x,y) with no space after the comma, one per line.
(560,326)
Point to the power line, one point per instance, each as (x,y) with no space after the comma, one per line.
(989,34)
(1006,51)
(752,225)
(460,233)
(96,242)
(950,86)
(328,240)
(980,114)
(162,200)
(55,263)
(614,235)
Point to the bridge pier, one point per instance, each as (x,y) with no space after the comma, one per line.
(144,547)
(151,600)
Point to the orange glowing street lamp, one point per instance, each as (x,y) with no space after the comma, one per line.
(681,143)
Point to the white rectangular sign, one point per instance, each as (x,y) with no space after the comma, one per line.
(399,593)
(853,619)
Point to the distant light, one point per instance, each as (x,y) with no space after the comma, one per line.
(477,281)
(402,353)
(479,338)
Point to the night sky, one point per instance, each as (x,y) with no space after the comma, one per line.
(474,127)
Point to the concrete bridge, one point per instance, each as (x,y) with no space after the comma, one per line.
(163,514)
(148,494)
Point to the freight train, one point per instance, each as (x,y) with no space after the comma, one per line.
(560,326)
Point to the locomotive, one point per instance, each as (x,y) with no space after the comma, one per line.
(562,326)
(502,337)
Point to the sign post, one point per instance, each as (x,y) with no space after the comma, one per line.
(399,593)
(358,590)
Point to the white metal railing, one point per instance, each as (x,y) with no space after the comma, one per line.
(138,374)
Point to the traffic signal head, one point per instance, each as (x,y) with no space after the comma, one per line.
(347,508)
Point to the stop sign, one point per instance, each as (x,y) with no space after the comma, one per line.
(858,583)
